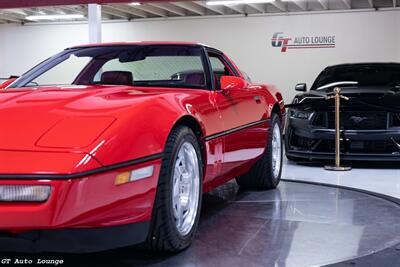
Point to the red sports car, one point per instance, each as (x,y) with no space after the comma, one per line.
(105,146)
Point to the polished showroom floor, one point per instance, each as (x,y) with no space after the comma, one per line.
(379,177)
(294,225)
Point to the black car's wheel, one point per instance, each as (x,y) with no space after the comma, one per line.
(266,173)
(178,199)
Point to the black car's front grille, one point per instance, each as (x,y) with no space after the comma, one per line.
(360,120)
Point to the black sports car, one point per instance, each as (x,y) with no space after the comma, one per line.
(370,119)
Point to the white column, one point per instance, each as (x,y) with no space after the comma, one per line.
(94,19)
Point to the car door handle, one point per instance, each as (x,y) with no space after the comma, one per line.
(257,98)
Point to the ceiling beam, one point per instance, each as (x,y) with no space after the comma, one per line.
(10,18)
(53,10)
(18,11)
(347,3)
(37,3)
(217,9)
(113,12)
(258,7)
(152,10)
(280,5)
(325,4)
(301,4)
(237,8)
(191,7)
(170,8)
(128,10)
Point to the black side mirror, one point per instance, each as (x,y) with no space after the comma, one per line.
(302,87)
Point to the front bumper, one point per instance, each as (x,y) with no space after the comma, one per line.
(83,240)
(89,212)
(308,142)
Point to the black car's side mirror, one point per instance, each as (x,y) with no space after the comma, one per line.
(302,87)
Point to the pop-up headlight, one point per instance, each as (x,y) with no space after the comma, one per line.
(24,193)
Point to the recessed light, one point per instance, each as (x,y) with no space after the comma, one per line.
(55,17)
(238,2)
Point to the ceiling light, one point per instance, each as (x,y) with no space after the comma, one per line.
(55,17)
(135,4)
(238,2)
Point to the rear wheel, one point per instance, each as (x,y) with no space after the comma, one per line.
(178,199)
(266,173)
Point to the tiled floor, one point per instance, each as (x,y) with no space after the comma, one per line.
(383,178)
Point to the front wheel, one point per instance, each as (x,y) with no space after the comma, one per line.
(178,199)
(266,172)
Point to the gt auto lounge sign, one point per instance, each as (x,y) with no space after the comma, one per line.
(279,40)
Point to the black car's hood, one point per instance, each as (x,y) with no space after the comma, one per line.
(360,97)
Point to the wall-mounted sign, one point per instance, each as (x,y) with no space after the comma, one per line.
(302,42)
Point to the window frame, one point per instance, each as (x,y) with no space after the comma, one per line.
(211,52)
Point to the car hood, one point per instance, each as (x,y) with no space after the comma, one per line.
(367,97)
(61,118)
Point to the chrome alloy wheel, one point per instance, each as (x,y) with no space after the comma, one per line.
(186,187)
(276,150)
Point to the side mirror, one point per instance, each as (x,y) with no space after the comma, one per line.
(6,83)
(229,83)
(302,87)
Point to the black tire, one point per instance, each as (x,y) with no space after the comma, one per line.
(261,175)
(164,235)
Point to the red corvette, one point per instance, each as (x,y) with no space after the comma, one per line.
(105,146)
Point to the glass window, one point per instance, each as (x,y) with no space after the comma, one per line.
(62,74)
(216,64)
(219,69)
(159,68)
(133,65)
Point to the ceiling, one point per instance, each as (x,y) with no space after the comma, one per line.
(151,10)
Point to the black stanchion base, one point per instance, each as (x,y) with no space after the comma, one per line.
(337,168)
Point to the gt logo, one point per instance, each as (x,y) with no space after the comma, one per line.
(279,41)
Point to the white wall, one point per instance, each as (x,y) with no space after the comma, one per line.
(360,37)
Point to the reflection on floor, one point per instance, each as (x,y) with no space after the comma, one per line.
(294,225)
(383,178)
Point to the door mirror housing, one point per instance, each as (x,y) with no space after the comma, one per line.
(302,87)
(230,83)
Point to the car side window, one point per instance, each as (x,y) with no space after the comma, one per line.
(219,68)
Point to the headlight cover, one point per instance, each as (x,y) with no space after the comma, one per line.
(24,193)
(300,114)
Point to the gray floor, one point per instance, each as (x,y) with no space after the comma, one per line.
(380,177)
(294,225)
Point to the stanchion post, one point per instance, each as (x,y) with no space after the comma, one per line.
(337,98)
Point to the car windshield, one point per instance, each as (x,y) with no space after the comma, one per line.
(135,65)
(364,75)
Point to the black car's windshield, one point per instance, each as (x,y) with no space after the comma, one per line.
(363,74)
(135,65)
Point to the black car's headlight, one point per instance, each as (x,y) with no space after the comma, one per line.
(300,114)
